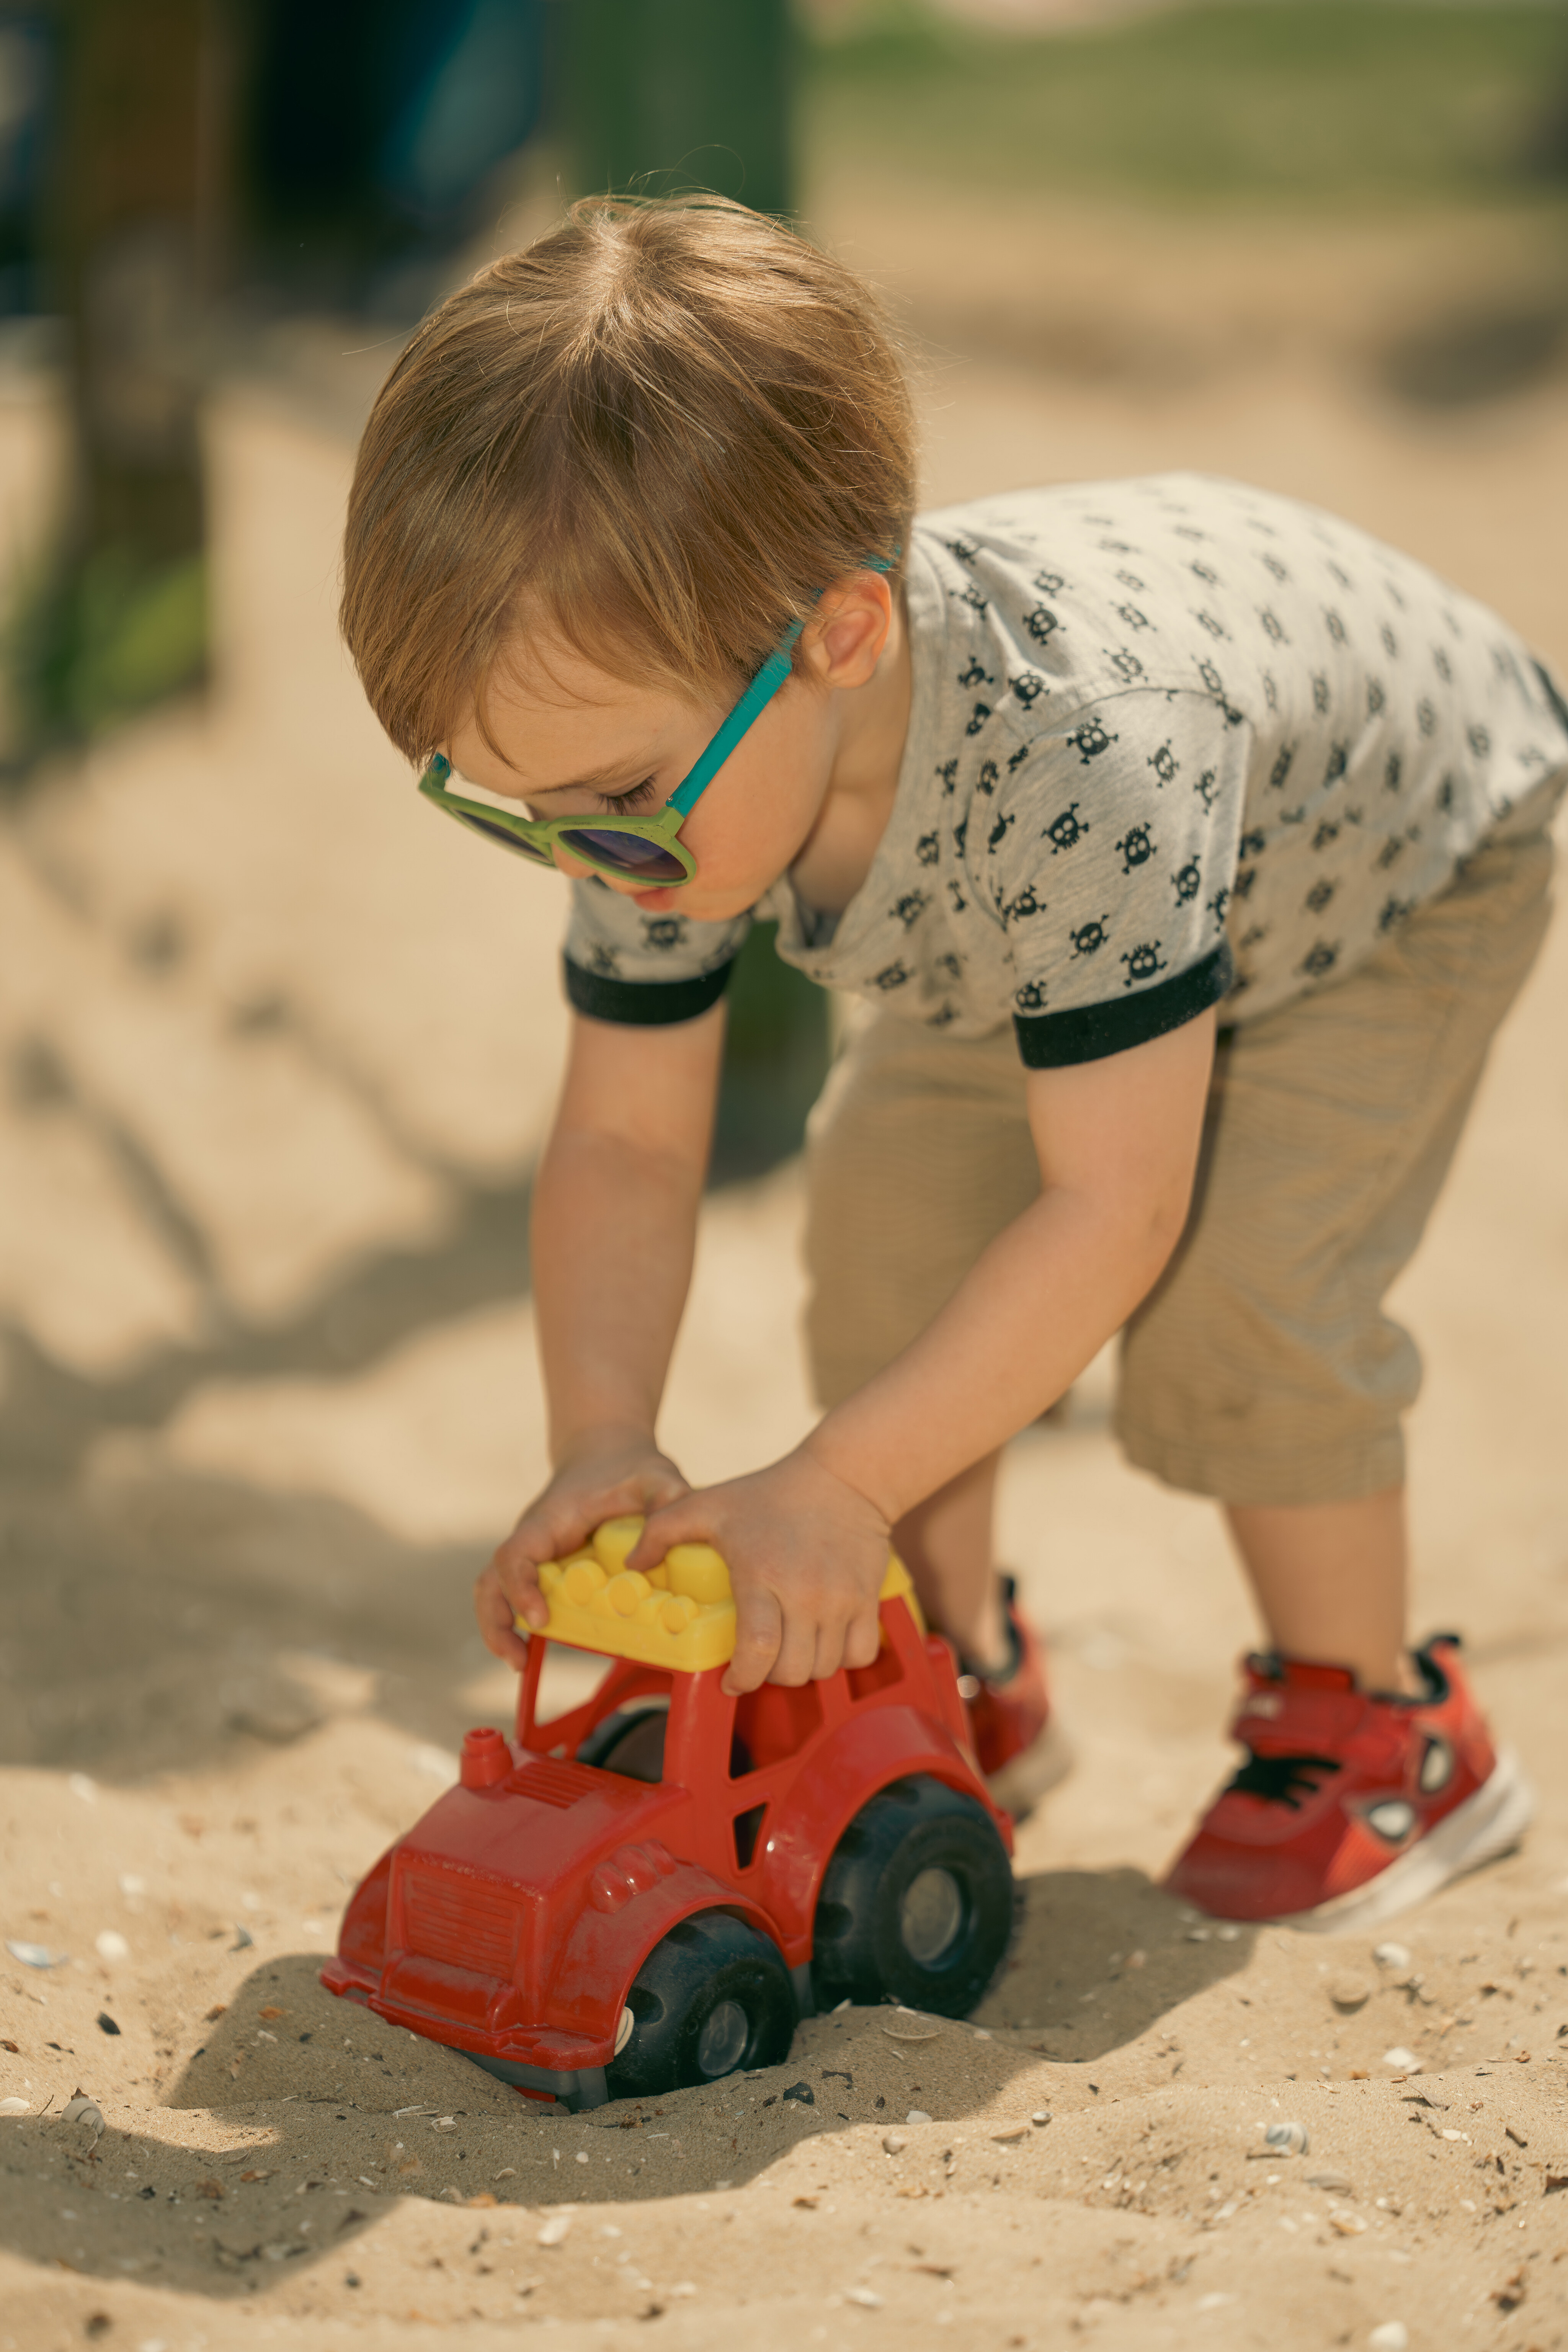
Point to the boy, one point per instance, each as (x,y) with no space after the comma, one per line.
(1186,847)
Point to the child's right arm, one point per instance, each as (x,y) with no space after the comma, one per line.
(614,1224)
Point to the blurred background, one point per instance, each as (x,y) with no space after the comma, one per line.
(277,1051)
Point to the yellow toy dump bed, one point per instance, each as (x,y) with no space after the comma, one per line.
(680,1616)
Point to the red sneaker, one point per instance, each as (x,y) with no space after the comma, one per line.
(1018,1743)
(1351,1806)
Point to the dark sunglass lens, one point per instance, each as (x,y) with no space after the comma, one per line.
(629,853)
(508,840)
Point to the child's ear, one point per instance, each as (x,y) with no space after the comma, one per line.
(845,640)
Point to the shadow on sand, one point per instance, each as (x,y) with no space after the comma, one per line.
(325,2113)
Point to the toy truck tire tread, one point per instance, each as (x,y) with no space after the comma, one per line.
(712,1996)
(916,1902)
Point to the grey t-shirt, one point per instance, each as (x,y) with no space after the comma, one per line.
(1173,742)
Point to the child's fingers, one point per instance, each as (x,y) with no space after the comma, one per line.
(493,1609)
(863,1637)
(675,1519)
(507,1646)
(759,1626)
(828,1654)
(514,1567)
(552,1526)
(660,1487)
(811,1635)
(651,1487)
(847,1643)
(842,1641)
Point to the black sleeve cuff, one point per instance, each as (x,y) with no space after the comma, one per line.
(1053,1041)
(1553,695)
(644,1003)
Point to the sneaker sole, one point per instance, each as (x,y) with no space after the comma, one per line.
(1485,1826)
(1018,1787)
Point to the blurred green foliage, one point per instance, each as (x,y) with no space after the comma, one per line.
(671,94)
(110,615)
(1329,103)
(775,1058)
(94,640)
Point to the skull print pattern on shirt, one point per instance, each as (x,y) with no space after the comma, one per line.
(1173,742)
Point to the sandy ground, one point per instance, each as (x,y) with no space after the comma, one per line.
(278,1051)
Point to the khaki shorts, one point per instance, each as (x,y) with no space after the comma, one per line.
(1262,1367)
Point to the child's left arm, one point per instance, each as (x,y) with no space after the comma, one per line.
(808,1537)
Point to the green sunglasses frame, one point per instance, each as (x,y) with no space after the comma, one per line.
(535,838)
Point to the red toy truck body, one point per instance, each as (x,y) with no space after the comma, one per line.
(512,1921)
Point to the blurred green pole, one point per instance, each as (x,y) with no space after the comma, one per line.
(663,96)
(128,267)
(115,617)
(696,93)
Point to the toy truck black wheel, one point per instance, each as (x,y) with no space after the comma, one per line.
(630,1741)
(713,1996)
(916,1902)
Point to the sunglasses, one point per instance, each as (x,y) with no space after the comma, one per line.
(635,848)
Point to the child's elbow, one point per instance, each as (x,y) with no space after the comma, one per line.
(1158,1229)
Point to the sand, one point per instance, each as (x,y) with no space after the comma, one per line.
(279,1053)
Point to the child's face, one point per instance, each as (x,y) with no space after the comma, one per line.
(575,741)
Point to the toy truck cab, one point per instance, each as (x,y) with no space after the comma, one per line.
(649,1889)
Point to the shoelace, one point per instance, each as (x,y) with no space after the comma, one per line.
(1278,1778)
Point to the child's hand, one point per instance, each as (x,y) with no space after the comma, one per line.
(806,1555)
(614,1473)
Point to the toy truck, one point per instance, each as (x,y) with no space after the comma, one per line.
(650,1889)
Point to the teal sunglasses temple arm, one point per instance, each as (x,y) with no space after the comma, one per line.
(749,708)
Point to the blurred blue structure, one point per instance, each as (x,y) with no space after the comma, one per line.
(476,99)
(369,131)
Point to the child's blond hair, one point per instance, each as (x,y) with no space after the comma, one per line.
(655,435)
